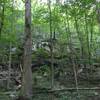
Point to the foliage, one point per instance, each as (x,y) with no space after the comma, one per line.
(76,34)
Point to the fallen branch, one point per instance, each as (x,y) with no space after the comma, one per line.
(64,90)
(44,90)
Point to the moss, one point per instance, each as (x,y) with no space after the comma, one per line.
(40,53)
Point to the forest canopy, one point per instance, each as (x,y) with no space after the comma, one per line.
(50,47)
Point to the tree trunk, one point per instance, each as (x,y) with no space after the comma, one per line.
(9,67)
(2,20)
(27,73)
(51,44)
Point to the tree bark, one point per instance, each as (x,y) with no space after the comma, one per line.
(27,73)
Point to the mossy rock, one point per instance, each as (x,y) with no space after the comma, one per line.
(40,53)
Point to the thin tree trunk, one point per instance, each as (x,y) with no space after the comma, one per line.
(72,52)
(2,20)
(87,38)
(9,67)
(10,52)
(50,18)
(27,72)
(51,49)
(91,37)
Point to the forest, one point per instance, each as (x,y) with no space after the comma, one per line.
(49,49)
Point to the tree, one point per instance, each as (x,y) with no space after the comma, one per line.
(27,73)
(2,17)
